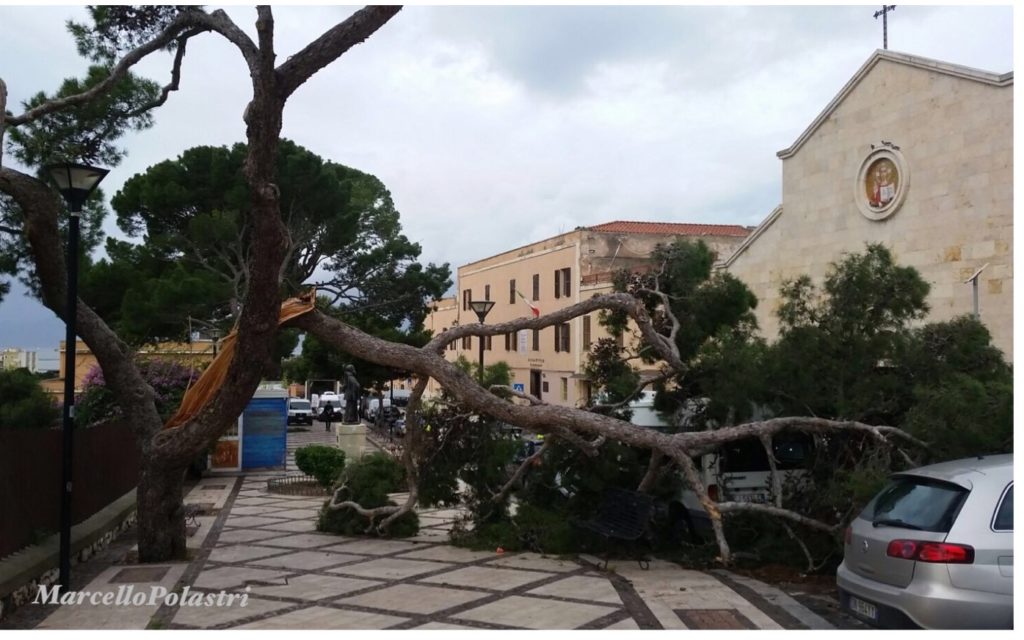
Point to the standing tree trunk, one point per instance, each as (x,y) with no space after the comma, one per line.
(161,515)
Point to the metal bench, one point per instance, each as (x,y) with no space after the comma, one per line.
(191,511)
(623,516)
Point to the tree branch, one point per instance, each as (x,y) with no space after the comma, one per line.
(332,44)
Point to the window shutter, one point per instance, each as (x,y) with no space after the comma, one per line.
(556,338)
(558,283)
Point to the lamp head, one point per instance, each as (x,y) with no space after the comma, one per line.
(75,182)
(481,308)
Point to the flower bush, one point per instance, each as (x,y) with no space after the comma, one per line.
(169,380)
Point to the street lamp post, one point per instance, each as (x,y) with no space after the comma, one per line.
(75,182)
(481,308)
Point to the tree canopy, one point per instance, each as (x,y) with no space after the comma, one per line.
(193,214)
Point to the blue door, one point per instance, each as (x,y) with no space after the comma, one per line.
(265,433)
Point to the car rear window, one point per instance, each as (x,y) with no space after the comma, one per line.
(929,505)
(1004,516)
(299,405)
(749,455)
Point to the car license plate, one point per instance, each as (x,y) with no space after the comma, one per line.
(865,609)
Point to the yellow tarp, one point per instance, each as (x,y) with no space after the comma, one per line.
(206,386)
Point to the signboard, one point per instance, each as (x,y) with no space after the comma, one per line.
(519,386)
(521,347)
(264,433)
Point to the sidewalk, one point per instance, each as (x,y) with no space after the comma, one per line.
(265,546)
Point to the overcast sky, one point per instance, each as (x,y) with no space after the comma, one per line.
(497,126)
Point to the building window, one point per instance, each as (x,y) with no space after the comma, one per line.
(536,339)
(508,342)
(586,332)
(467,342)
(563,337)
(565,389)
(544,386)
(619,341)
(512,291)
(487,342)
(467,295)
(487,292)
(562,286)
(536,287)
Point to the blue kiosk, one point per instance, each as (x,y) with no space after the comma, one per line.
(260,440)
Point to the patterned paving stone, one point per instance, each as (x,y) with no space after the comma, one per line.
(302,526)
(413,598)
(488,578)
(303,540)
(375,546)
(445,626)
(243,552)
(629,624)
(211,616)
(325,618)
(251,521)
(581,588)
(257,510)
(447,553)
(535,613)
(230,577)
(307,560)
(390,568)
(315,587)
(534,561)
(296,513)
(234,536)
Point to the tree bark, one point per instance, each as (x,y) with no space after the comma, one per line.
(161,514)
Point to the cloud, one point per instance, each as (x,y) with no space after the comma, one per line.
(497,126)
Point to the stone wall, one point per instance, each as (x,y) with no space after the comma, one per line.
(956,136)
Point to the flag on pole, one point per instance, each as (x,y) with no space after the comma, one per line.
(533,307)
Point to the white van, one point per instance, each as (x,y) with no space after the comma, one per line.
(299,411)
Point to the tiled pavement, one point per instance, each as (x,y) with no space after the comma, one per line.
(265,546)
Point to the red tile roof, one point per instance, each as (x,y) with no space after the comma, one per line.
(673,228)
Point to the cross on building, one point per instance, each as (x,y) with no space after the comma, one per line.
(886,8)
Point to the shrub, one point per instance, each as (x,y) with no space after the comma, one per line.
(368,482)
(321,462)
(169,380)
(23,403)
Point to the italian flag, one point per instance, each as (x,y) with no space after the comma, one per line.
(533,308)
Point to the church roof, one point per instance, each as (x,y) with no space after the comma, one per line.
(928,64)
(672,228)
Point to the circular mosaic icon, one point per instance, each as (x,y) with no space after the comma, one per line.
(882,183)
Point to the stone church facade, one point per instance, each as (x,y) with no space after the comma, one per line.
(914,154)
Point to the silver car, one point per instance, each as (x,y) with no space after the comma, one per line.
(934,549)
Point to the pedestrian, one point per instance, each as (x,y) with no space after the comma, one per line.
(328,415)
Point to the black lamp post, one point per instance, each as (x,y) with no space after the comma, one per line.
(75,182)
(481,308)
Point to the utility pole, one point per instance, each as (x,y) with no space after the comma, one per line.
(886,8)
(973,280)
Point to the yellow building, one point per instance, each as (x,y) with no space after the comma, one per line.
(552,274)
(196,355)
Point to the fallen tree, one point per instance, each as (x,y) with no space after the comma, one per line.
(680,448)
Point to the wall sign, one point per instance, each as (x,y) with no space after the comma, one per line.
(882,182)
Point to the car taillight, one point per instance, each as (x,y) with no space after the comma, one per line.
(848,535)
(940,552)
(713,492)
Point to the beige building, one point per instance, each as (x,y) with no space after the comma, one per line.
(912,153)
(196,354)
(19,359)
(550,275)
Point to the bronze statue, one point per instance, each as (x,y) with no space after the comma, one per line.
(352,392)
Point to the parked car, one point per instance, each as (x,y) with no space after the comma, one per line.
(299,411)
(336,401)
(934,549)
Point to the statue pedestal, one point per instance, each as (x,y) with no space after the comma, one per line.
(351,439)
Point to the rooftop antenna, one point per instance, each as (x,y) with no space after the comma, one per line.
(886,8)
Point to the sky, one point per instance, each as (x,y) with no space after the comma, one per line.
(497,126)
